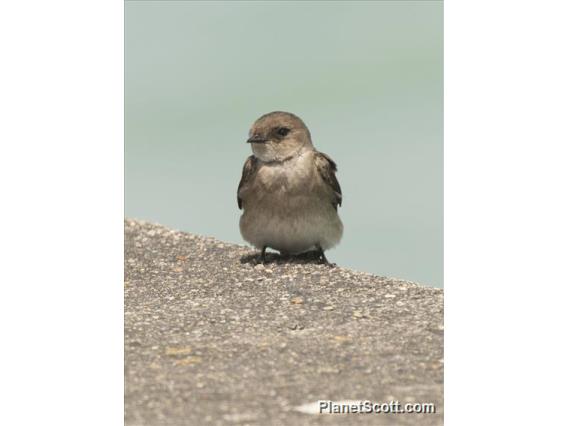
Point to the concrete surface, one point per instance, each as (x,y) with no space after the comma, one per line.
(213,337)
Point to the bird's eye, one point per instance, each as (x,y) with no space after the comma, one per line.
(283,131)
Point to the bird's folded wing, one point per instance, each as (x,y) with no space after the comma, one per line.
(249,170)
(327,168)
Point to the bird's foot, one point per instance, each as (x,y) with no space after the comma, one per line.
(323,259)
(327,263)
(263,256)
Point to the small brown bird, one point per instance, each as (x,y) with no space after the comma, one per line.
(288,191)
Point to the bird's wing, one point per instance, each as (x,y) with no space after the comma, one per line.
(327,168)
(249,170)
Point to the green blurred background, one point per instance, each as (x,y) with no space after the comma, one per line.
(366,77)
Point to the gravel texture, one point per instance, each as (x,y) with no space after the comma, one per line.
(212,337)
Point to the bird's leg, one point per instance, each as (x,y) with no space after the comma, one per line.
(263,255)
(323,258)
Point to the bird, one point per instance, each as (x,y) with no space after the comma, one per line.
(288,193)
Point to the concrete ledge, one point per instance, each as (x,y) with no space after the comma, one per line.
(212,337)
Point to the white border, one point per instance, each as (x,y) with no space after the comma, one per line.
(61,168)
(506,259)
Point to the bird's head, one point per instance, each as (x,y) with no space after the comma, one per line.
(279,135)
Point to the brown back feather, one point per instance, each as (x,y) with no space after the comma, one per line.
(327,168)
(249,170)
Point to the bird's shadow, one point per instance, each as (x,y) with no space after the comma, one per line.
(308,257)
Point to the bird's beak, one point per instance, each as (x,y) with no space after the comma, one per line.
(256,139)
